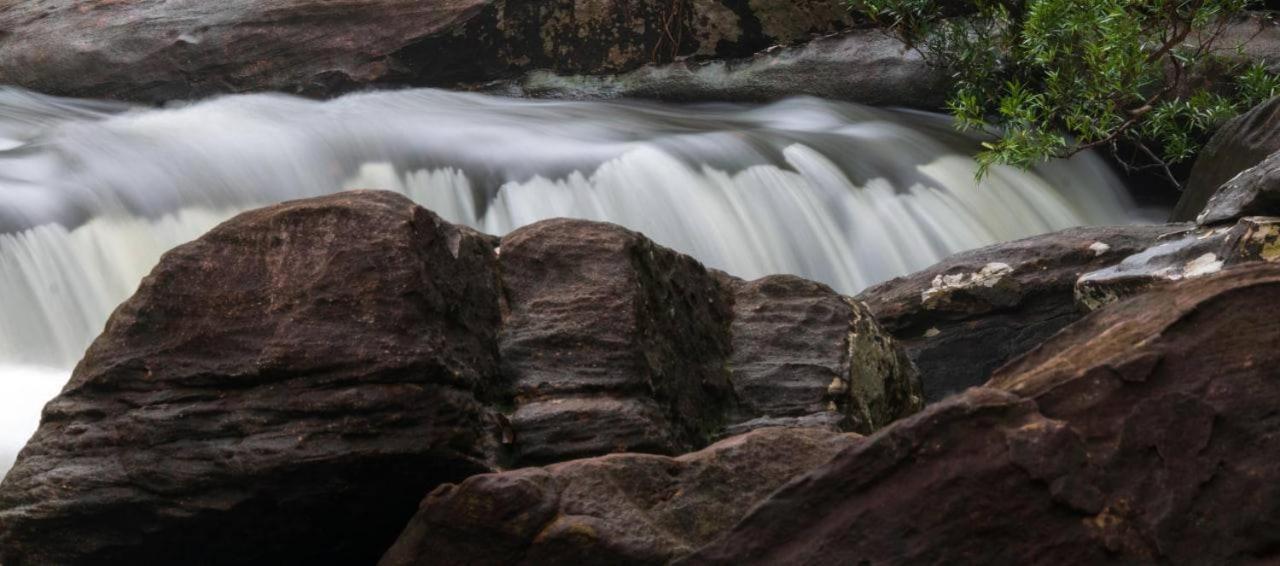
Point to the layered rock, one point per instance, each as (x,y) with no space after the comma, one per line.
(964,317)
(614,344)
(804,355)
(277,391)
(1144,434)
(150,50)
(1239,144)
(617,509)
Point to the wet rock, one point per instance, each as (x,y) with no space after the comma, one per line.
(1144,434)
(865,66)
(964,317)
(616,509)
(614,343)
(1239,144)
(276,392)
(150,50)
(1255,191)
(1182,255)
(804,355)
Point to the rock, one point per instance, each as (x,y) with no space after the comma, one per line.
(1144,434)
(154,51)
(866,66)
(614,343)
(276,392)
(1182,255)
(1239,144)
(1255,191)
(804,353)
(962,318)
(616,509)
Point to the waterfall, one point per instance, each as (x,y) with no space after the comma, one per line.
(92,193)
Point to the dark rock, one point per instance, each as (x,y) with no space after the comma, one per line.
(151,50)
(276,392)
(962,318)
(617,509)
(1255,191)
(1182,255)
(1144,434)
(806,353)
(866,66)
(1239,144)
(614,343)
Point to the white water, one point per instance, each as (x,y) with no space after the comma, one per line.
(91,194)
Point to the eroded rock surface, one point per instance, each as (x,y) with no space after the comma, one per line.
(614,343)
(279,391)
(964,317)
(1239,144)
(805,354)
(1255,191)
(617,509)
(1144,434)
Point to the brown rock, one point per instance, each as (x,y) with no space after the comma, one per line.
(616,509)
(1144,434)
(1238,145)
(806,353)
(614,343)
(279,391)
(964,317)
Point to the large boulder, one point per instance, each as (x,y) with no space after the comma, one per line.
(967,315)
(1255,191)
(1144,434)
(276,392)
(614,343)
(804,355)
(1238,145)
(617,509)
(153,50)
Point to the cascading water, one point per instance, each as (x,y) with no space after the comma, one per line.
(92,193)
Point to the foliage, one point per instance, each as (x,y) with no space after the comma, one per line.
(1050,78)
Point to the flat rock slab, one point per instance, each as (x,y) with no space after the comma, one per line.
(282,390)
(1144,434)
(969,314)
(617,509)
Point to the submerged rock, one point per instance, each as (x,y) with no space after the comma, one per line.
(1144,434)
(964,317)
(614,344)
(617,509)
(151,50)
(276,392)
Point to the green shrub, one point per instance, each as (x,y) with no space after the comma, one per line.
(1051,78)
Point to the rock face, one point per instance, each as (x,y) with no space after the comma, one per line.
(1145,434)
(866,66)
(276,392)
(614,343)
(151,50)
(1182,255)
(804,355)
(1238,145)
(617,509)
(964,317)
(1254,191)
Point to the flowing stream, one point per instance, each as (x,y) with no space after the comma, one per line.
(92,193)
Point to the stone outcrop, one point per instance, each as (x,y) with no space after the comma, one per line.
(151,50)
(805,355)
(1144,434)
(1255,191)
(285,389)
(614,344)
(964,317)
(275,392)
(1239,144)
(865,65)
(1182,255)
(616,509)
